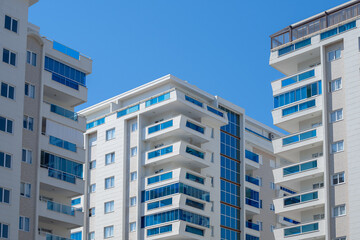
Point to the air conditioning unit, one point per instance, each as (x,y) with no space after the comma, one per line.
(271,136)
(159,145)
(159,171)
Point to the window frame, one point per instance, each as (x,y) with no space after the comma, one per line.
(8,86)
(22,224)
(337,209)
(111,228)
(5,154)
(30,90)
(12,19)
(134,127)
(336,115)
(335,54)
(27,189)
(28,152)
(337,175)
(332,83)
(30,56)
(112,207)
(11,54)
(337,146)
(92,188)
(131,176)
(112,158)
(130,227)
(133,151)
(26,121)
(92,164)
(2,200)
(7,120)
(131,201)
(110,137)
(111,182)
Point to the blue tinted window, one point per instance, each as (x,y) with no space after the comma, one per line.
(95,123)
(194,230)
(160,178)
(192,100)
(195,178)
(128,111)
(159,230)
(157,99)
(194,152)
(195,127)
(62,143)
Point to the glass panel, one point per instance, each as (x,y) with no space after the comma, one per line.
(310,227)
(291,170)
(292,231)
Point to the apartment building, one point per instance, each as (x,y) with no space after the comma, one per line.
(167,160)
(41,138)
(317,102)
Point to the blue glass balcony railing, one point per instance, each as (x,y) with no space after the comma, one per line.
(160,126)
(301,229)
(253,226)
(301,198)
(195,153)
(194,178)
(95,123)
(60,208)
(252,180)
(160,178)
(195,127)
(63,112)
(70,178)
(294,47)
(160,152)
(299,107)
(128,110)
(290,220)
(62,143)
(252,202)
(298,78)
(299,137)
(338,30)
(213,110)
(300,168)
(66,50)
(157,99)
(54,237)
(252,156)
(194,101)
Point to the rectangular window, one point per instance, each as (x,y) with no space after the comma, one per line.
(29,90)
(92,236)
(28,123)
(9,57)
(25,189)
(7,91)
(133,151)
(92,164)
(108,232)
(337,147)
(27,156)
(5,160)
(24,224)
(4,195)
(109,158)
(11,24)
(6,125)
(336,116)
(91,212)
(110,134)
(339,210)
(133,227)
(340,238)
(338,178)
(333,55)
(134,127)
(92,188)
(109,182)
(133,176)
(4,230)
(133,201)
(31,58)
(272,207)
(272,185)
(109,207)
(335,85)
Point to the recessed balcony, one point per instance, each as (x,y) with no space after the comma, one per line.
(311,230)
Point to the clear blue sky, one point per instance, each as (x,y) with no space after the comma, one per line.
(221,46)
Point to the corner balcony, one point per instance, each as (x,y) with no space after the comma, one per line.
(298,141)
(291,205)
(290,175)
(311,230)
(180,127)
(63,116)
(182,152)
(62,215)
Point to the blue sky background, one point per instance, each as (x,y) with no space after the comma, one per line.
(221,46)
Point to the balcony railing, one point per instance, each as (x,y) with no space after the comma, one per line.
(195,153)
(67,177)
(299,137)
(63,112)
(252,180)
(160,152)
(306,228)
(195,127)
(58,207)
(252,156)
(298,78)
(252,202)
(300,168)
(160,126)
(49,236)
(306,197)
(253,226)
(299,107)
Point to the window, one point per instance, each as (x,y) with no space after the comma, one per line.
(92,188)
(260,225)
(29,90)
(339,210)
(272,227)
(27,156)
(4,195)
(133,227)
(133,151)
(76,236)
(5,160)
(7,91)
(25,189)
(110,134)
(92,164)
(11,24)
(109,158)
(75,201)
(341,238)
(335,85)
(109,207)
(108,231)
(31,58)
(272,207)
(333,55)
(24,224)
(338,178)
(336,115)
(134,127)
(133,176)
(91,212)
(4,230)
(6,125)
(272,185)
(9,57)
(133,201)
(92,236)
(337,147)
(28,123)
(109,182)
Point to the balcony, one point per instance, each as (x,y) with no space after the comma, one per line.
(48,236)
(311,230)
(252,207)
(290,175)
(180,152)
(62,215)
(252,160)
(252,229)
(291,205)
(252,182)
(298,141)
(180,127)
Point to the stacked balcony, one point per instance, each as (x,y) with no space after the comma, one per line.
(305,231)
